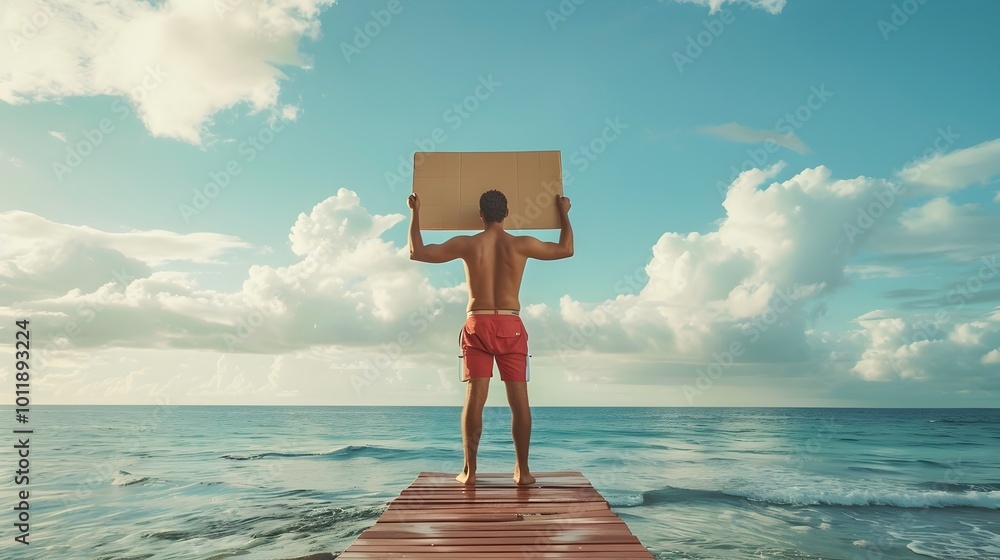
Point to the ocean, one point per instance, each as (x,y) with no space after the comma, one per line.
(213,482)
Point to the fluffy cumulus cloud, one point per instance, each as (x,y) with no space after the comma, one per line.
(756,280)
(771,6)
(179,62)
(954,352)
(748,292)
(350,287)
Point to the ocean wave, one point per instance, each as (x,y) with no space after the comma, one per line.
(964,421)
(961,486)
(348,452)
(910,462)
(871,469)
(800,496)
(125,478)
(338,522)
(328,521)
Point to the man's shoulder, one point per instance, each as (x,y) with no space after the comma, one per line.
(524,238)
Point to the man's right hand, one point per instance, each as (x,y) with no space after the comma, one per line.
(562,203)
(413,202)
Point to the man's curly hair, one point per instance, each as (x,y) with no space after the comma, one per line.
(493,203)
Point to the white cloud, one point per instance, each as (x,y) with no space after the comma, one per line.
(349,288)
(61,136)
(940,227)
(26,233)
(739,133)
(991,357)
(943,348)
(771,6)
(179,62)
(753,280)
(290,112)
(940,173)
(868,271)
(353,301)
(41,259)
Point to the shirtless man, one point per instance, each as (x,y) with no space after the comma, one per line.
(494,264)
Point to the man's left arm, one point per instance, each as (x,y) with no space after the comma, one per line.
(450,250)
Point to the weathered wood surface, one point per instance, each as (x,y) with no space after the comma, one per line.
(561,515)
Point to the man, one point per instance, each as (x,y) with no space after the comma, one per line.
(494,264)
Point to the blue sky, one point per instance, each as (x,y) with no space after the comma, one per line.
(852,264)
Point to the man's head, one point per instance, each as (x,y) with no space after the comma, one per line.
(493,206)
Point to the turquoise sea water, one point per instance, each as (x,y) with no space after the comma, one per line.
(188,482)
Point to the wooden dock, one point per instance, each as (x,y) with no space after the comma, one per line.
(560,516)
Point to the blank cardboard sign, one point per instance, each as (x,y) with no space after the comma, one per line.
(449,185)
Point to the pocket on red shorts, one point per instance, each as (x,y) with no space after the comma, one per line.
(512,338)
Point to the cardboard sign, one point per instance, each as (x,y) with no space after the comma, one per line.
(449,185)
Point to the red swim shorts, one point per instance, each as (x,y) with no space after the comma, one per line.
(485,337)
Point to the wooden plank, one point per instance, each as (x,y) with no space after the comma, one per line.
(556,531)
(457,539)
(495,555)
(560,516)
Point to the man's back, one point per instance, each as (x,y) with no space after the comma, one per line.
(494,259)
(494,266)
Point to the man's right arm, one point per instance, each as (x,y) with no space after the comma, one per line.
(546,250)
(450,250)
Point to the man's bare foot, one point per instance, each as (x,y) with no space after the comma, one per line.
(523,479)
(466,477)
